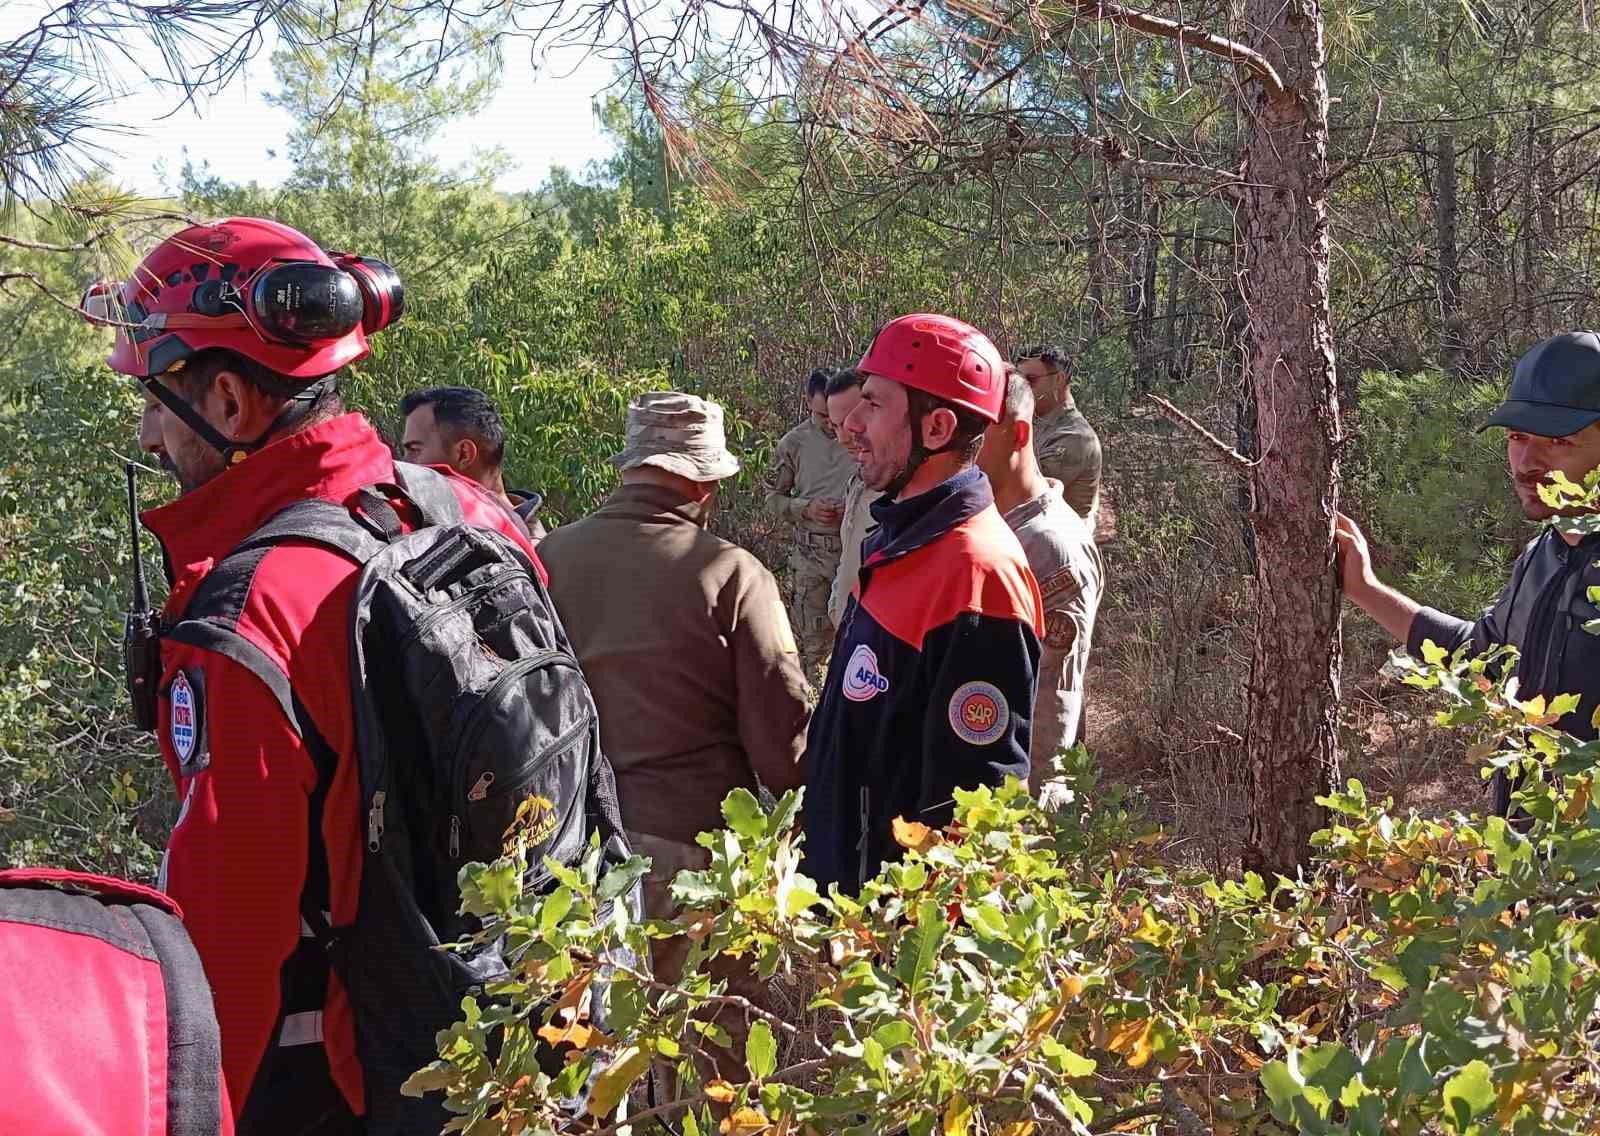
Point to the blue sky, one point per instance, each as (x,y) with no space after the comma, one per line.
(541,116)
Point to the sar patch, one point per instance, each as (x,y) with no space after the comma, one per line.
(978,713)
(862,679)
(186,724)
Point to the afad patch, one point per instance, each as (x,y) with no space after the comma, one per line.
(186,724)
(978,713)
(862,679)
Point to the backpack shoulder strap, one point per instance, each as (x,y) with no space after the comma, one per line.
(429,490)
(318,522)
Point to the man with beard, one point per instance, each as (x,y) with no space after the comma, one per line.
(238,332)
(844,391)
(932,680)
(1552,420)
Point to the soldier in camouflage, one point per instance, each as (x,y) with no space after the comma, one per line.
(810,471)
(1067,446)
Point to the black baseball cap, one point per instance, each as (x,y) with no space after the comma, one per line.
(1555,390)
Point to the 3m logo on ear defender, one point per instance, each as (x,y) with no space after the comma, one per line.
(862,681)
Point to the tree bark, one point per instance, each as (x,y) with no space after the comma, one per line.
(1531,285)
(1290,740)
(1446,211)
(1490,248)
(1171,344)
(1139,299)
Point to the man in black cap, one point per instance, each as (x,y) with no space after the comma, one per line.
(1552,420)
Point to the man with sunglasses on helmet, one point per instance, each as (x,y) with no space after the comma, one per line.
(237,332)
(934,669)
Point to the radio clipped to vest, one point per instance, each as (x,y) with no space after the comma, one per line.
(141,630)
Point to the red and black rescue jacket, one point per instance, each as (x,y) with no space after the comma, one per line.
(932,681)
(256,729)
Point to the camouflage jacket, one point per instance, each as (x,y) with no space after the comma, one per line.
(806,464)
(1069,452)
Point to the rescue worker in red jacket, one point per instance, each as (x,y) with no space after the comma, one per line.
(936,661)
(237,331)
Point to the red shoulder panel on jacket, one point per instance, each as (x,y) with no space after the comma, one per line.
(978,566)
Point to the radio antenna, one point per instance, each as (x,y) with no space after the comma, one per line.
(141,598)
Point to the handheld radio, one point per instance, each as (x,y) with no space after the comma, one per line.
(141,631)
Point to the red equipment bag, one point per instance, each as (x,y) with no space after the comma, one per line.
(106,1020)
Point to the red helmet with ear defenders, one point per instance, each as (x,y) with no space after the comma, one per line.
(255,287)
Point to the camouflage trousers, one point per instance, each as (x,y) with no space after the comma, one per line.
(813,561)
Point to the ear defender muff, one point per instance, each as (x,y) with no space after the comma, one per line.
(304,302)
(383,296)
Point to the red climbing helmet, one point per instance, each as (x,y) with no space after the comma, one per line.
(253,286)
(942,356)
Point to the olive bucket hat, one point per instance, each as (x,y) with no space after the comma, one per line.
(1555,389)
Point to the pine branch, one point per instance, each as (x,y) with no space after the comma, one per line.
(1186,36)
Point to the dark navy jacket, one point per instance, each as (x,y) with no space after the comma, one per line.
(932,680)
(1542,612)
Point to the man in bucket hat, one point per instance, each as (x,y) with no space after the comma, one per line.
(684,640)
(1551,417)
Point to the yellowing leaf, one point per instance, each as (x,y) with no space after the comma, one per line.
(720,1092)
(1043,1022)
(745,1122)
(1017,1128)
(630,1063)
(576,1034)
(1580,801)
(957,1116)
(1132,1039)
(1511,1095)
(1157,934)
(1071,986)
(914,834)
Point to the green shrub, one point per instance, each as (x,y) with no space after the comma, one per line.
(1432,494)
(79,786)
(1056,969)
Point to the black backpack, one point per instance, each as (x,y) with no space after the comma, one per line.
(467,702)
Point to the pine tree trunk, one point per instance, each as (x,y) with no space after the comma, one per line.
(1171,345)
(1446,210)
(1490,248)
(1290,741)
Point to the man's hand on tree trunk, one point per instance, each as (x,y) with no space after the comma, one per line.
(1393,609)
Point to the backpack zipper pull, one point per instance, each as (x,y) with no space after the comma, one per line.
(455,837)
(480,787)
(375,822)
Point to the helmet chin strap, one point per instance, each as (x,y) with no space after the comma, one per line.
(914,460)
(919,454)
(233,452)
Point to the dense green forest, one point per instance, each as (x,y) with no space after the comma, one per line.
(1050,175)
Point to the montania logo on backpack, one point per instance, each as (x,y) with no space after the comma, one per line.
(862,682)
(978,713)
